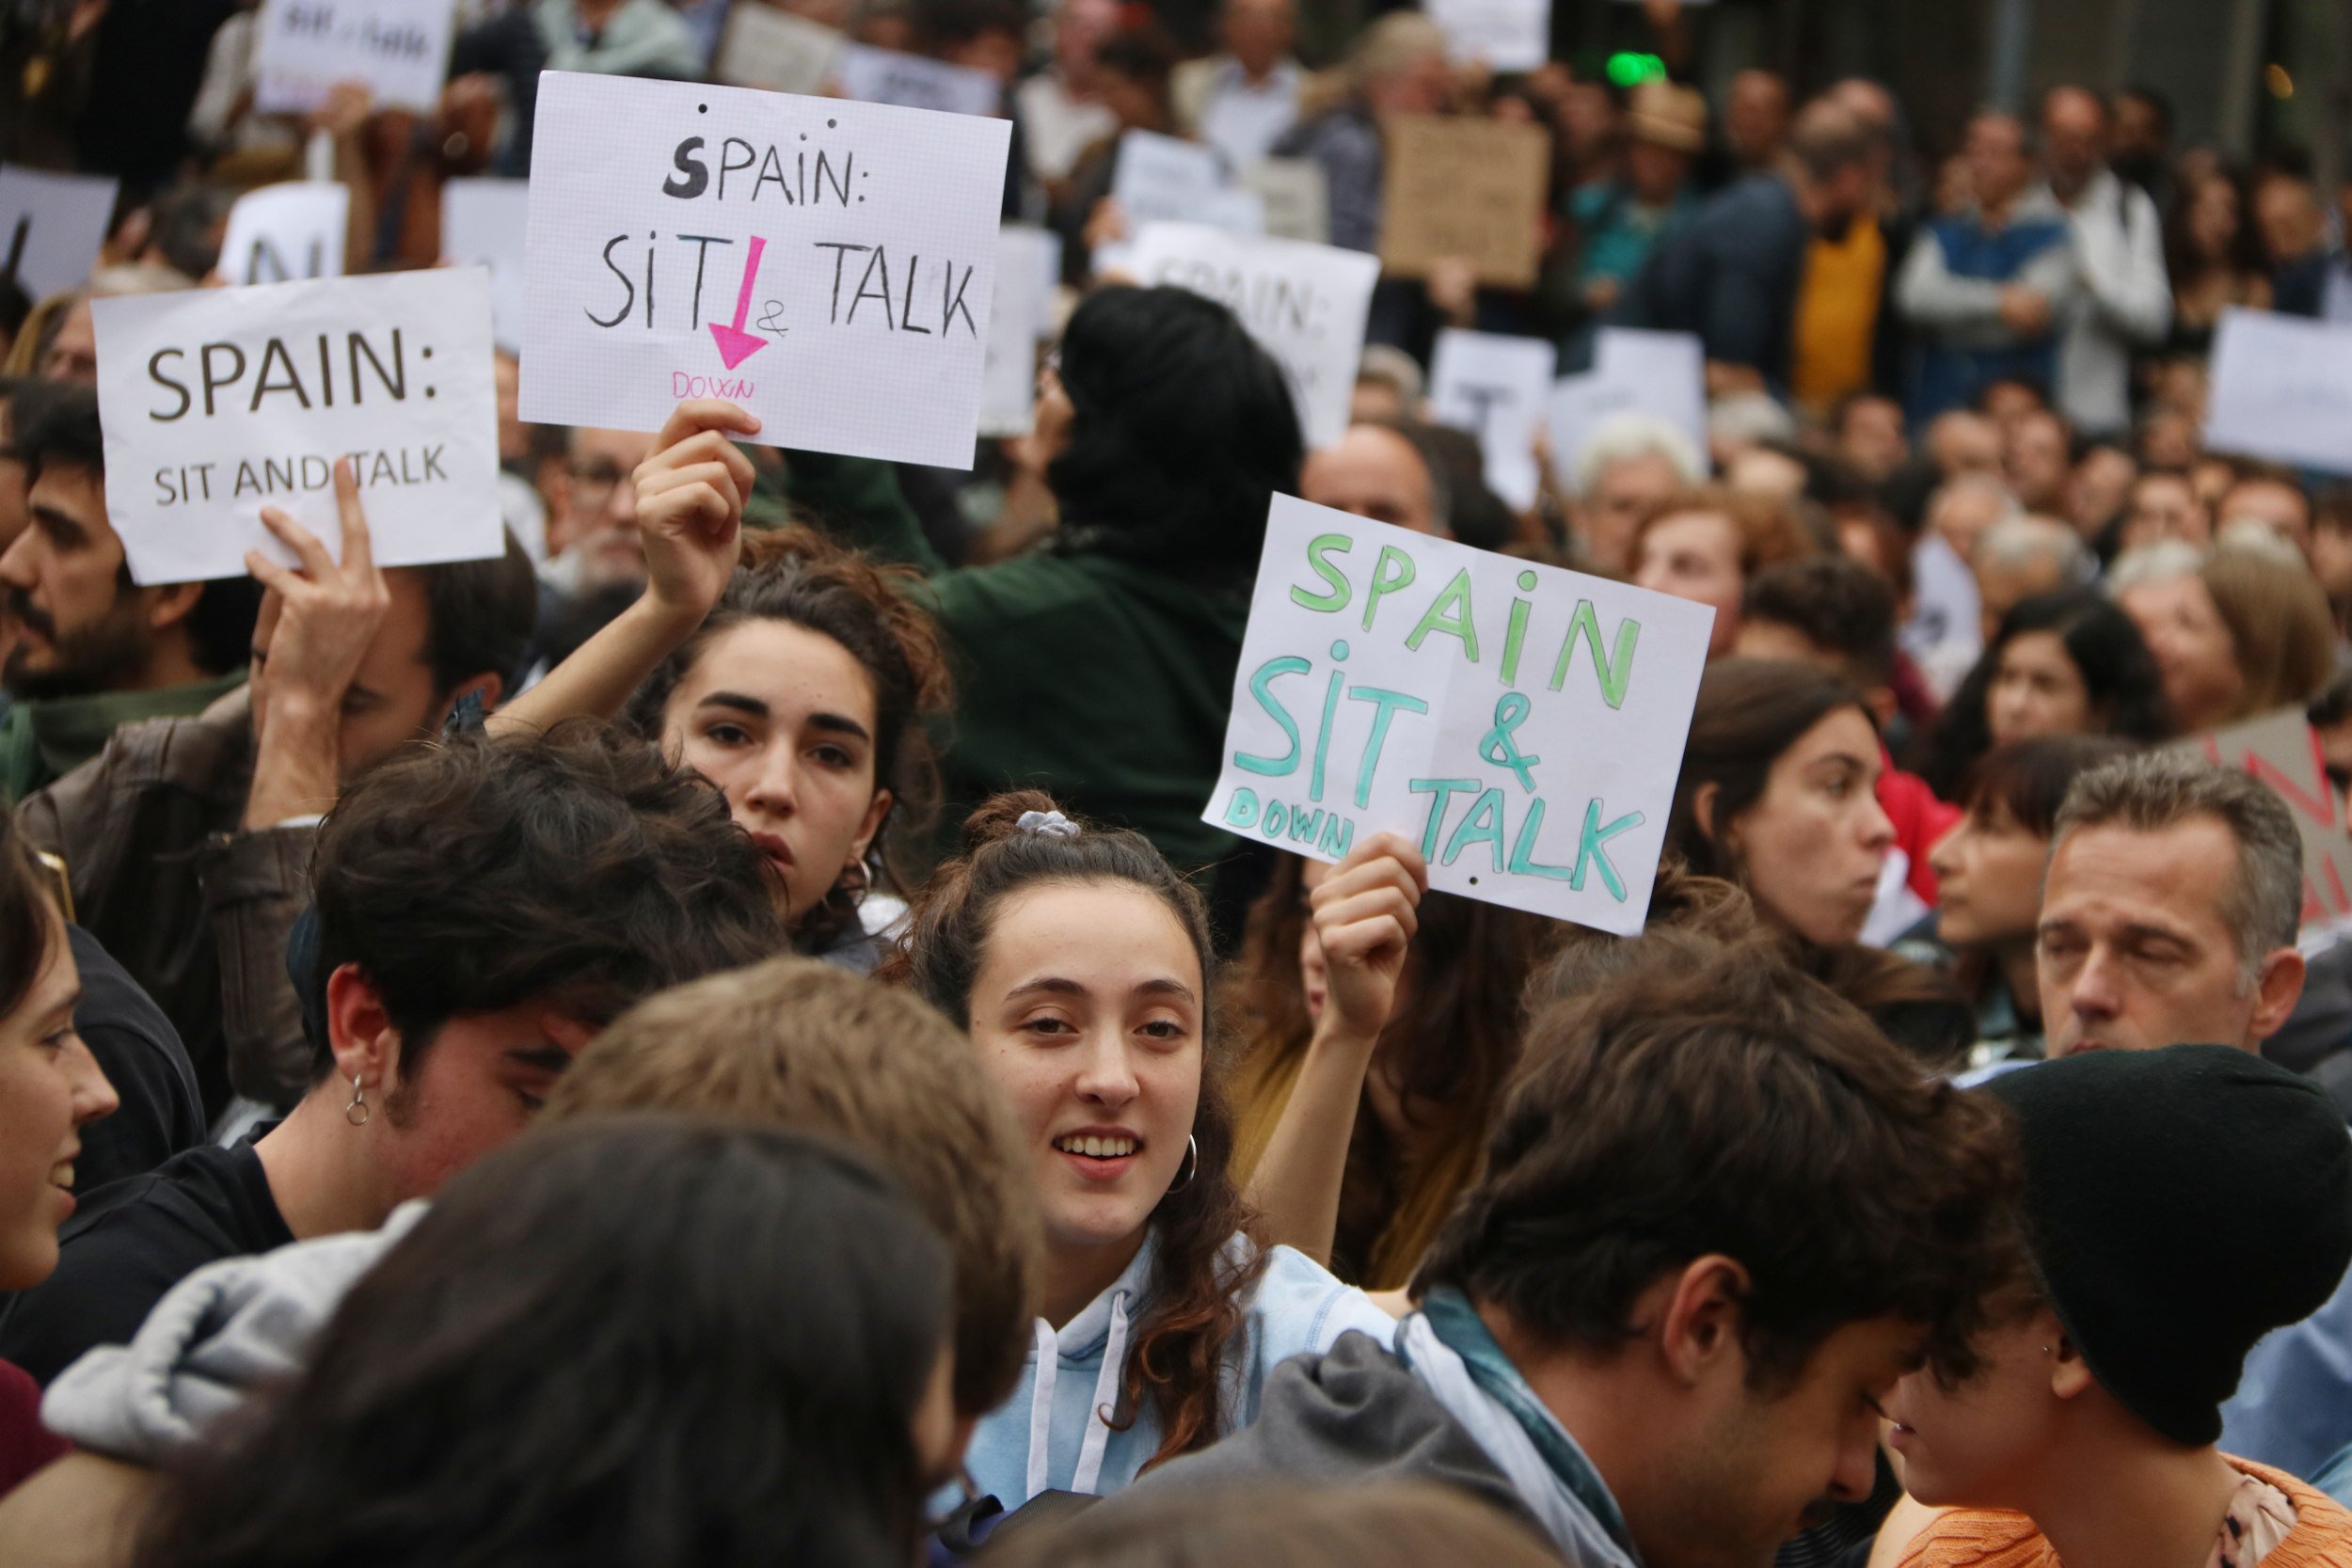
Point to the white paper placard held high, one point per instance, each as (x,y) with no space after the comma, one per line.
(1305,304)
(483,224)
(219,402)
(764,47)
(1008,384)
(399,48)
(1294,196)
(1658,373)
(1523,725)
(828,265)
(52,226)
(1508,35)
(914,82)
(1494,386)
(1165,179)
(280,233)
(2281,390)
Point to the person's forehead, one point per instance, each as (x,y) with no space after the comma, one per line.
(2265,497)
(2125,874)
(628,448)
(77,490)
(1640,470)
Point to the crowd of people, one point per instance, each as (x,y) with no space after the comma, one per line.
(720,1034)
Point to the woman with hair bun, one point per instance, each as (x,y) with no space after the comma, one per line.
(1081,964)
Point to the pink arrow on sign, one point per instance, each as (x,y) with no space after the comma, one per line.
(734,345)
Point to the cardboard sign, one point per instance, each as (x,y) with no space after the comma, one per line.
(1305,304)
(830,265)
(1660,374)
(399,48)
(1472,188)
(281,233)
(483,224)
(1505,35)
(1293,198)
(764,47)
(1494,386)
(2281,390)
(911,82)
(1523,725)
(219,402)
(52,226)
(2283,751)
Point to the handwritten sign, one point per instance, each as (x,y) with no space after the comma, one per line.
(1305,304)
(399,48)
(52,226)
(913,82)
(1472,188)
(828,265)
(1506,35)
(280,233)
(764,47)
(2283,751)
(2281,390)
(1020,320)
(1494,386)
(1294,197)
(1660,374)
(219,402)
(1524,724)
(483,224)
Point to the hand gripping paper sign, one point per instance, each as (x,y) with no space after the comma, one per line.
(828,265)
(219,402)
(1523,725)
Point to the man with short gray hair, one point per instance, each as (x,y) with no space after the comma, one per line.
(2169,910)
(2019,556)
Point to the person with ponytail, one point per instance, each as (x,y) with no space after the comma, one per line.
(1081,964)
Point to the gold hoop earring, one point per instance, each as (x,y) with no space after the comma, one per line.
(358,1112)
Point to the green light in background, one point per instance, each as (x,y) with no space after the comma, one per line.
(1631,71)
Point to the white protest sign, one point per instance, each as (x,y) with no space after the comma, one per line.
(399,48)
(1020,320)
(764,47)
(1660,374)
(52,226)
(280,233)
(483,223)
(2281,390)
(1508,35)
(830,265)
(911,82)
(1305,304)
(1293,198)
(1494,386)
(219,402)
(1165,179)
(1522,723)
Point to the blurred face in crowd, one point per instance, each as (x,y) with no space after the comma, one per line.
(1656,172)
(72,354)
(1138,102)
(2008,402)
(1756,118)
(1080,27)
(593,511)
(784,719)
(392,698)
(2035,461)
(2213,217)
(2073,137)
(2036,690)
(1871,437)
(1588,120)
(1762,472)
(2169,440)
(513,438)
(1623,493)
(1999,168)
(50,1089)
(1372,472)
(2098,489)
(1963,443)
(2139,129)
(1988,873)
(1986,1442)
(2193,647)
(1088,1011)
(2136,949)
(1812,844)
(2272,503)
(2286,212)
(2164,506)
(1416,87)
(1962,512)
(1696,556)
(2331,555)
(1375,398)
(79,624)
(1258,33)
(2002,585)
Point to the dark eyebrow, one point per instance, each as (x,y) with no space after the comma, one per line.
(838,725)
(1047,984)
(60,525)
(547,1058)
(736,700)
(1167,987)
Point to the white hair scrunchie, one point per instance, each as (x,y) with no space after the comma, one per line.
(1052,824)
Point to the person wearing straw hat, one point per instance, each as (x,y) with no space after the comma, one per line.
(1665,127)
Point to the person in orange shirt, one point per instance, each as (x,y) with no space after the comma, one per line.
(2178,1205)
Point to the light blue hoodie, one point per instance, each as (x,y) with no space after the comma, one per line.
(1050,1435)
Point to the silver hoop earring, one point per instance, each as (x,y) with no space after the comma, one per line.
(1190,1168)
(358,1112)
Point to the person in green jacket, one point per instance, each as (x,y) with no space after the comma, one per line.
(87,649)
(1101,666)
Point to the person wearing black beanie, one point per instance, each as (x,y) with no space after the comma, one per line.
(2178,1205)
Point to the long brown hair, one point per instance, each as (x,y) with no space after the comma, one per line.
(1194,1297)
(1453,1042)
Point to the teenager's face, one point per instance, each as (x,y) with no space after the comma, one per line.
(1988,873)
(783,720)
(1813,843)
(50,1088)
(1977,1445)
(2036,690)
(1088,1011)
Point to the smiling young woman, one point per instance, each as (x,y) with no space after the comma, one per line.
(1081,964)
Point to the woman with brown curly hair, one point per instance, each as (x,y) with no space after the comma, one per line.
(1081,964)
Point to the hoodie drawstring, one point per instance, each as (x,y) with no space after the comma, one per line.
(1098,1431)
(1041,1405)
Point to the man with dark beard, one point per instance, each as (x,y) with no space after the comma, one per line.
(92,650)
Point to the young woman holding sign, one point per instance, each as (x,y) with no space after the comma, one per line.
(1080,961)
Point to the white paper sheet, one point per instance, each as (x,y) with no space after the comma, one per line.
(219,402)
(483,224)
(1494,386)
(1020,320)
(1508,35)
(829,264)
(2281,390)
(913,82)
(399,48)
(52,226)
(1523,725)
(1293,198)
(283,234)
(1660,373)
(764,47)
